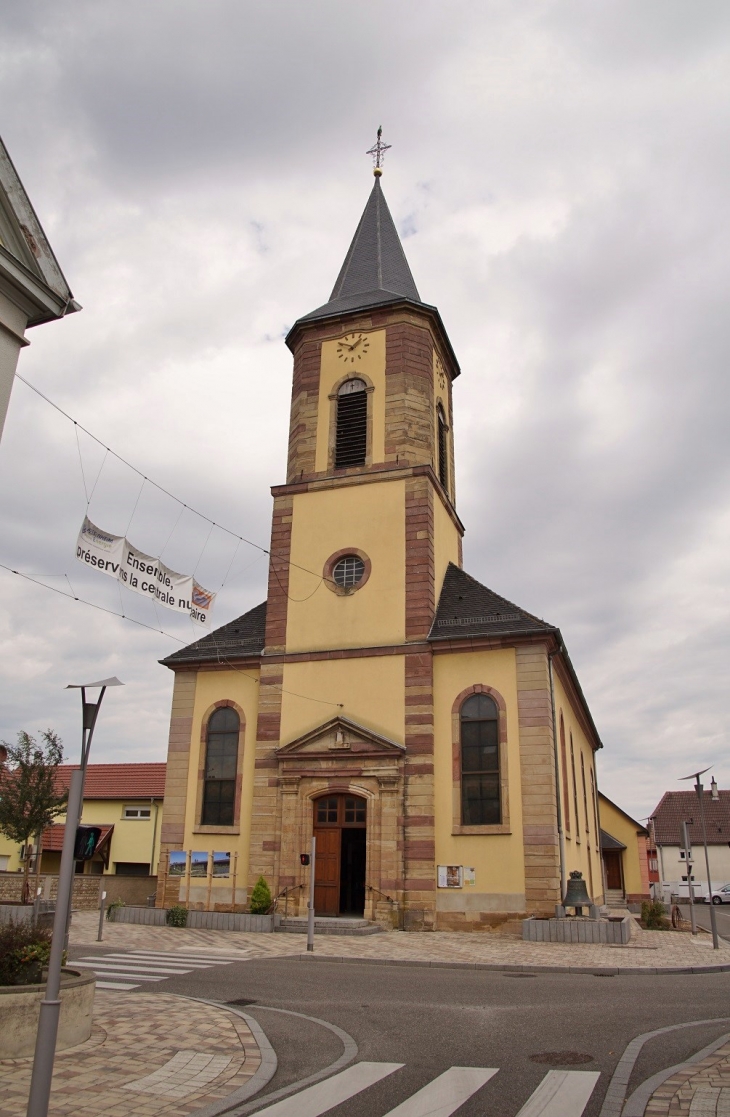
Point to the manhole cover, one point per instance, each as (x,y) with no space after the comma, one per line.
(241,1001)
(561,1058)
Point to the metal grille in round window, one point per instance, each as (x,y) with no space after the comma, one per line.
(348,571)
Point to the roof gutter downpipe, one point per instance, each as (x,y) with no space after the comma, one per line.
(561,832)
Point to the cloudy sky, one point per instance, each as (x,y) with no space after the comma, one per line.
(559,174)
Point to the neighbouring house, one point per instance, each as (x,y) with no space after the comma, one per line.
(125,800)
(32,286)
(676,807)
(432,735)
(625,855)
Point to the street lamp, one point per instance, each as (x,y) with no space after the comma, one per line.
(715,795)
(45,1044)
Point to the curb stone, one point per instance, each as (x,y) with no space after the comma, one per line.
(603,971)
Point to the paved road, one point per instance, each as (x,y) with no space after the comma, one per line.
(702,914)
(431,1020)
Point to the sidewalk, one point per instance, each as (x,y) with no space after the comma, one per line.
(701,1090)
(147,1056)
(648,950)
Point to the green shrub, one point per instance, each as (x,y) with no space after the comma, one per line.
(653,916)
(177,916)
(260,898)
(112,907)
(24,951)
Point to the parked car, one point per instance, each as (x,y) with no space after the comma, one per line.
(720,895)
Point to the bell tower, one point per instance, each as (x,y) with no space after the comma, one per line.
(370,454)
(363,532)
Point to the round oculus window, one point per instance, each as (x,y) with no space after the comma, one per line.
(348,571)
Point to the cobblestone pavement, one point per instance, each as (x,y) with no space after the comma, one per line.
(147,1056)
(702,1090)
(647,950)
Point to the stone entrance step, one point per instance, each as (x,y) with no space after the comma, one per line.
(327,925)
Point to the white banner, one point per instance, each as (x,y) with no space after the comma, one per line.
(115,556)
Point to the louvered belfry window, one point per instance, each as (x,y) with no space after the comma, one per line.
(352,425)
(443,449)
(221,761)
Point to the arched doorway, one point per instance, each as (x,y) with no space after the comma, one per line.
(340,827)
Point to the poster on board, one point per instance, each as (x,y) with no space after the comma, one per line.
(199,863)
(221,864)
(178,862)
(450,876)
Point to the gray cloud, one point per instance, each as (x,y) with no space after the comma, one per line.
(560,174)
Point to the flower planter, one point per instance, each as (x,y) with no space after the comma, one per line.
(20,1006)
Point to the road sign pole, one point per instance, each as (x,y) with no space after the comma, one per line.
(102,905)
(688,862)
(310,905)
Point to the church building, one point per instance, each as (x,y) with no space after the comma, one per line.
(432,735)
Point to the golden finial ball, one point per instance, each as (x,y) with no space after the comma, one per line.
(377,171)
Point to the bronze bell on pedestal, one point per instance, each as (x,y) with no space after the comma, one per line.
(576,894)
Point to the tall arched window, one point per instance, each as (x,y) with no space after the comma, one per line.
(480,800)
(443,447)
(351,435)
(221,761)
(564,763)
(585,793)
(575,790)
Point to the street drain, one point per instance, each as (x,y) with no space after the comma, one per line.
(520,975)
(562,1058)
(241,1001)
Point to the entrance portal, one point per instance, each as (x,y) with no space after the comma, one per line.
(340,827)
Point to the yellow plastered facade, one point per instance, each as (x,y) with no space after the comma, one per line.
(370,518)
(132,840)
(212,687)
(627,830)
(368,691)
(498,859)
(582,843)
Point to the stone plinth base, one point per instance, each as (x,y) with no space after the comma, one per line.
(577,930)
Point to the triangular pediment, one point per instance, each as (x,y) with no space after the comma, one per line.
(341,736)
(23,242)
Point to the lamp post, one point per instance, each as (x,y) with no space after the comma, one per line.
(45,1044)
(715,796)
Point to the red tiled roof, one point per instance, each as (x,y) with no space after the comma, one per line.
(118,781)
(53,836)
(677,807)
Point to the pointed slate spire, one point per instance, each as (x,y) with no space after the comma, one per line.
(375,270)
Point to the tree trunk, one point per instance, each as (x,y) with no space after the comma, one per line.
(24,897)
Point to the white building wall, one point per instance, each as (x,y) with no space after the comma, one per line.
(672,868)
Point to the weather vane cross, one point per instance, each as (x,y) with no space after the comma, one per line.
(378,151)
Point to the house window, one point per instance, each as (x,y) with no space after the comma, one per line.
(443,447)
(221,761)
(480,799)
(137,812)
(351,433)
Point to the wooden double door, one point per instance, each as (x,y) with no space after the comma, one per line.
(340,827)
(614,876)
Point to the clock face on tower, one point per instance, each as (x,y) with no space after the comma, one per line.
(352,347)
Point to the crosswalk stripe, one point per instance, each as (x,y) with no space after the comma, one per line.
(333,1091)
(562,1093)
(144,963)
(188,959)
(127,976)
(214,959)
(115,985)
(165,971)
(444,1095)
